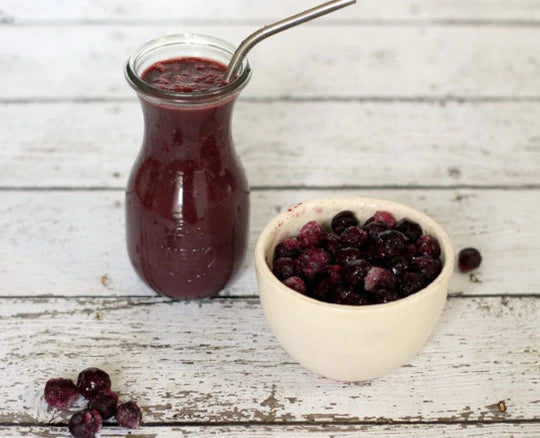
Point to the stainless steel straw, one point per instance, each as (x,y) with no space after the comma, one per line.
(274,28)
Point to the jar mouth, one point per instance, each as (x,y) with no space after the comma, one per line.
(178,45)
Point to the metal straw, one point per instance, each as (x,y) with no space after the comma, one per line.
(271,29)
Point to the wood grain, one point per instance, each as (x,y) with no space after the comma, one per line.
(63,243)
(120,11)
(288,143)
(350,61)
(216,361)
(481,430)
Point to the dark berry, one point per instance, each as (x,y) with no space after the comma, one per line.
(383,216)
(410,228)
(378,279)
(311,234)
(375,228)
(289,247)
(390,243)
(431,268)
(347,255)
(343,220)
(85,424)
(356,272)
(346,295)
(91,381)
(371,254)
(332,243)
(128,415)
(323,290)
(105,403)
(61,393)
(353,236)
(411,282)
(398,265)
(410,250)
(427,245)
(313,261)
(296,283)
(469,259)
(284,268)
(384,296)
(334,273)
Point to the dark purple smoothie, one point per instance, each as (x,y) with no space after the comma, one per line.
(187,199)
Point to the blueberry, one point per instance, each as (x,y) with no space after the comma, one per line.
(334,273)
(105,403)
(469,259)
(383,216)
(398,265)
(375,228)
(343,220)
(346,255)
(61,393)
(91,381)
(346,295)
(378,279)
(431,268)
(384,296)
(313,261)
(85,424)
(296,283)
(411,282)
(332,243)
(390,243)
(427,245)
(128,415)
(356,272)
(284,268)
(353,236)
(311,235)
(410,228)
(289,247)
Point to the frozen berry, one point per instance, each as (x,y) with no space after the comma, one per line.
(61,393)
(410,228)
(284,268)
(353,236)
(378,279)
(356,272)
(128,415)
(346,295)
(347,255)
(91,381)
(311,234)
(105,403)
(85,424)
(429,246)
(375,228)
(383,216)
(332,243)
(411,282)
(469,259)
(431,268)
(323,290)
(296,283)
(343,220)
(313,261)
(390,243)
(384,296)
(334,273)
(398,265)
(289,247)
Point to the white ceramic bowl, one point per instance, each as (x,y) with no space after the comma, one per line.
(349,343)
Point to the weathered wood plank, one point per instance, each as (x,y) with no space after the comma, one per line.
(288,143)
(120,10)
(327,60)
(215,360)
(481,430)
(62,243)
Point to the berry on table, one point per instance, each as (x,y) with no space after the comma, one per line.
(128,415)
(91,381)
(61,393)
(469,259)
(85,424)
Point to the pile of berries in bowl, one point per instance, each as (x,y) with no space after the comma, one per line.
(353,287)
(346,262)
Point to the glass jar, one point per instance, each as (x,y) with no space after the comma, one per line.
(187,198)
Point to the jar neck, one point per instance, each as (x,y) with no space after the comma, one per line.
(187,131)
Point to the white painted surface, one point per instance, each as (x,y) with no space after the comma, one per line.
(62,243)
(216,360)
(389,93)
(327,60)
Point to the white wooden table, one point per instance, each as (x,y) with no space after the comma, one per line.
(431,103)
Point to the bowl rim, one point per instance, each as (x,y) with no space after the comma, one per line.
(447,250)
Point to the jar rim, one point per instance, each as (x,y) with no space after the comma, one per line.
(191,39)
